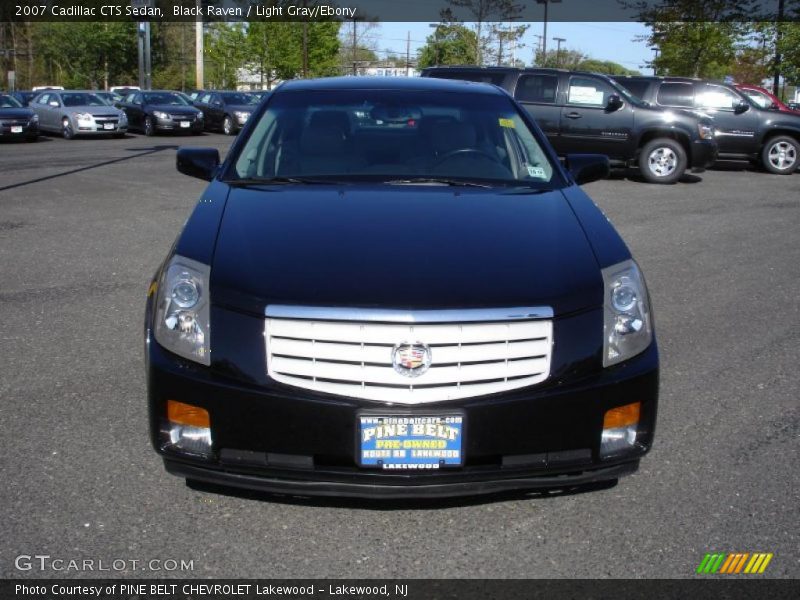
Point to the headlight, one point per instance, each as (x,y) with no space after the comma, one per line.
(160,115)
(182,313)
(199,116)
(242,115)
(35,118)
(82,116)
(706,131)
(627,323)
(123,118)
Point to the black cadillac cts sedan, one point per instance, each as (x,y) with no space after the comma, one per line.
(395,289)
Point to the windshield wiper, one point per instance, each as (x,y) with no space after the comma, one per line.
(276,181)
(439,180)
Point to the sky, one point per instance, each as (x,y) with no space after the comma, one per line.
(603,41)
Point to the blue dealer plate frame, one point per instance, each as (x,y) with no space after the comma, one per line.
(410,442)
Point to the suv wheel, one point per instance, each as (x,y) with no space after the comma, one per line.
(227,126)
(780,155)
(662,161)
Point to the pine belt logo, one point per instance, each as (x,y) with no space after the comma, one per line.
(734,563)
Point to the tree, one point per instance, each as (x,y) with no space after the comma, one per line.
(483,11)
(358,43)
(609,67)
(507,42)
(225,48)
(450,44)
(566,59)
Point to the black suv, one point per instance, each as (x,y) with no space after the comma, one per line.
(587,112)
(745,131)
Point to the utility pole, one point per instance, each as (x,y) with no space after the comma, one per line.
(776,80)
(539,48)
(305,49)
(198,50)
(544,33)
(408,54)
(655,57)
(558,52)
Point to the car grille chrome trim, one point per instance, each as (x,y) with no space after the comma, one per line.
(349,352)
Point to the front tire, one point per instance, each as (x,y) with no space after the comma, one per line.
(149,130)
(67,132)
(780,155)
(662,161)
(227,126)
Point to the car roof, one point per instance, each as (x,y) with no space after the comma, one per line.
(388,83)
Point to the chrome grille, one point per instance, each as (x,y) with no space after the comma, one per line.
(350,352)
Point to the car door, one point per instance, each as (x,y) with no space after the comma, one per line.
(736,128)
(135,110)
(217,110)
(589,124)
(53,112)
(538,94)
(202,104)
(39,106)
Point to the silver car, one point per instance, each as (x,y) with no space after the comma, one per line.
(72,113)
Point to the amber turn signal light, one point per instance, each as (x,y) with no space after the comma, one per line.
(622,416)
(187,414)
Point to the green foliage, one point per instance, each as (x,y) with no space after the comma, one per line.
(450,44)
(609,67)
(225,53)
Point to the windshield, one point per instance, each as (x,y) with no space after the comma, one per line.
(394,135)
(9,102)
(627,95)
(165,98)
(232,98)
(81,99)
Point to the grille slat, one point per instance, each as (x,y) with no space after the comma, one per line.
(354,358)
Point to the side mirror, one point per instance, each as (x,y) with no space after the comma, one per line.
(198,162)
(741,107)
(614,102)
(586,168)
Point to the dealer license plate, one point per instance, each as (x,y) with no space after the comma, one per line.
(16,129)
(403,442)
(185,123)
(108,126)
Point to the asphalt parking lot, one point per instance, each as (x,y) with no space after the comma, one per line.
(84,224)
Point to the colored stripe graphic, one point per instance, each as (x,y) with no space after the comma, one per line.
(734,563)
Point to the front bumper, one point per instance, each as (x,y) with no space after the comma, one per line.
(13,129)
(276,438)
(704,154)
(99,129)
(172,125)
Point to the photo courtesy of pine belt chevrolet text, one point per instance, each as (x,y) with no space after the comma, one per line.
(395,288)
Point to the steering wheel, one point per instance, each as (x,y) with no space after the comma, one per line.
(463,152)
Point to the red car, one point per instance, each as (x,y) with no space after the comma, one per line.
(763,98)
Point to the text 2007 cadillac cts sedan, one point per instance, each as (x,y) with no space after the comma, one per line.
(394,289)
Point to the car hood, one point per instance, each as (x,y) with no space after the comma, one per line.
(93,110)
(15,113)
(173,110)
(401,247)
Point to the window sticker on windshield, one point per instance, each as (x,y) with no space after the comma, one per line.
(537,172)
(507,123)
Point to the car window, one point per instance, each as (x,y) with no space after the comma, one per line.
(164,98)
(495,78)
(759,98)
(389,135)
(9,102)
(587,91)
(537,88)
(239,98)
(81,99)
(637,88)
(718,97)
(204,98)
(676,94)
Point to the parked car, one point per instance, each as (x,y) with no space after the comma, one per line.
(358,308)
(260,94)
(156,111)
(110,98)
(744,130)
(226,111)
(78,113)
(587,112)
(24,97)
(17,121)
(763,97)
(794,105)
(42,88)
(124,90)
